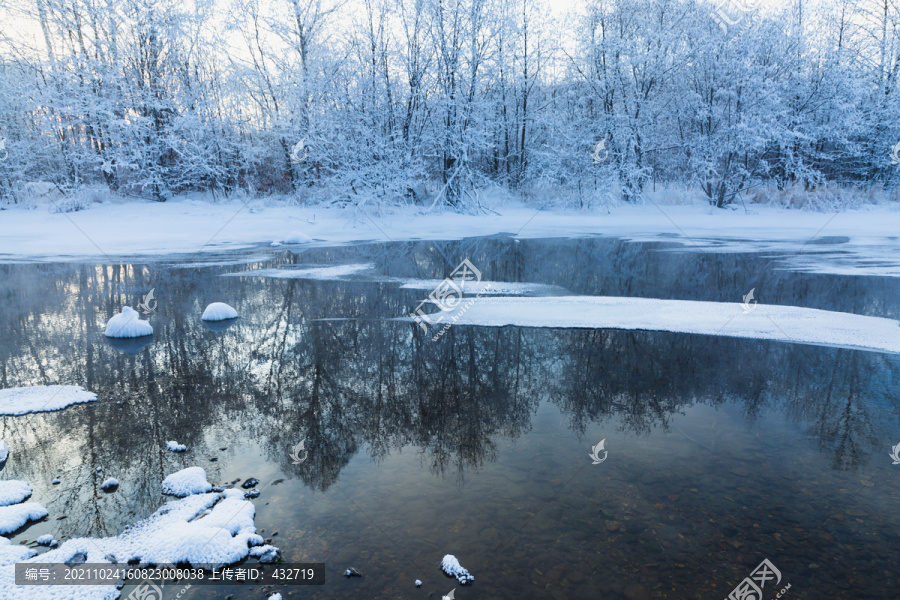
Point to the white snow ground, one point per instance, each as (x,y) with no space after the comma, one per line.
(42,398)
(769,322)
(189,226)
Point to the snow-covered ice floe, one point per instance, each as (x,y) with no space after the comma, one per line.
(41,398)
(214,528)
(730,319)
(219,311)
(451,567)
(324,273)
(13,491)
(174,446)
(128,324)
(186,482)
(494,288)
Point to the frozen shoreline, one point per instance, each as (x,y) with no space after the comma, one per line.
(183,226)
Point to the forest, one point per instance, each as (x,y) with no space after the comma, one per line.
(442,102)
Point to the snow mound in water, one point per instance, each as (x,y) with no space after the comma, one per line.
(15,516)
(215,528)
(4,452)
(40,398)
(128,324)
(110,484)
(186,482)
(452,568)
(175,446)
(44,540)
(13,491)
(219,311)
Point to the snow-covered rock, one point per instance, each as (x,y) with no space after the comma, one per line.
(266,554)
(109,485)
(418,583)
(15,516)
(13,491)
(218,311)
(42,398)
(175,446)
(275,596)
(128,324)
(4,452)
(199,529)
(186,482)
(44,540)
(451,567)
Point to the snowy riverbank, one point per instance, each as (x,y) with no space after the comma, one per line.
(186,226)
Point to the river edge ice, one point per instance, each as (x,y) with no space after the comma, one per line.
(42,398)
(792,324)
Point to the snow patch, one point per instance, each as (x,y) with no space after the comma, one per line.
(218,311)
(175,446)
(42,398)
(128,324)
(266,554)
(11,553)
(44,540)
(451,567)
(186,482)
(15,516)
(13,491)
(205,528)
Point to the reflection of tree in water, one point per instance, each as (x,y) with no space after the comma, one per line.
(282,374)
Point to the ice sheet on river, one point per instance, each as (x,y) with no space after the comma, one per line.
(40,398)
(730,319)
